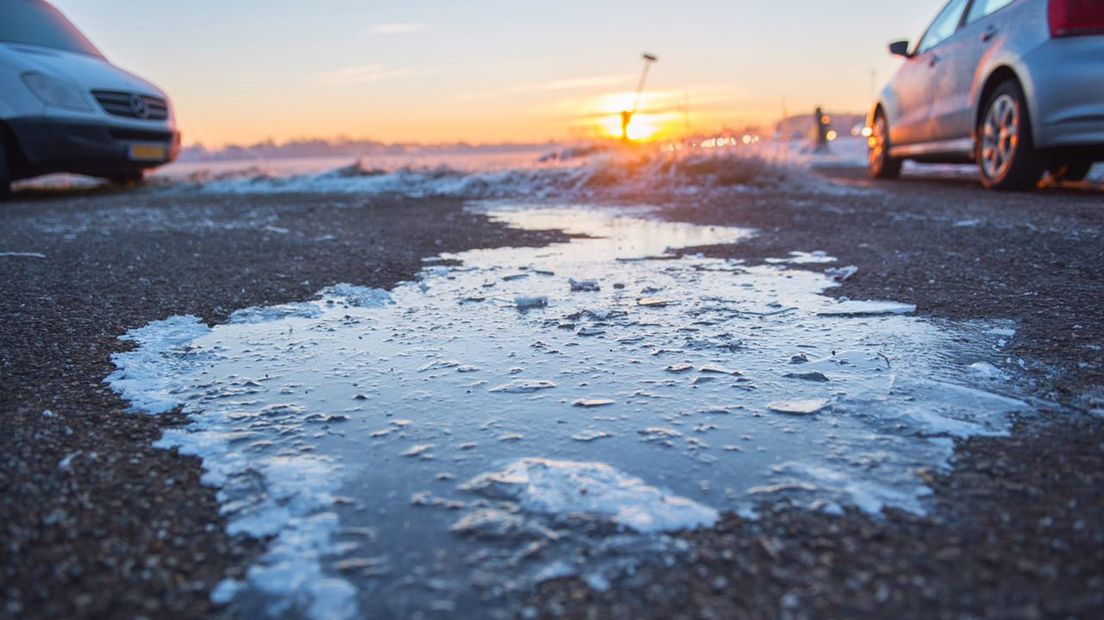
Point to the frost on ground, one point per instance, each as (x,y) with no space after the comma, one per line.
(433,448)
(607,171)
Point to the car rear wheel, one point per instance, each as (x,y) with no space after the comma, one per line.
(5,174)
(1073,171)
(879,163)
(1006,155)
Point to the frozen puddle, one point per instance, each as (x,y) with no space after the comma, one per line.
(523,414)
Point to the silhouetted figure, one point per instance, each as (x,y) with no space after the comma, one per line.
(821,123)
(626,118)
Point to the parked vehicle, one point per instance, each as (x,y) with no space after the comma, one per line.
(65,108)
(1015,86)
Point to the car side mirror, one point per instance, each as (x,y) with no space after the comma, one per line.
(900,48)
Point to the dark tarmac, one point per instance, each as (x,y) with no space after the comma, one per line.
(97,523)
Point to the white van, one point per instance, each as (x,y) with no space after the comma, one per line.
(65,108)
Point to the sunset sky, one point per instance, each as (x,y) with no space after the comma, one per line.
(242,71)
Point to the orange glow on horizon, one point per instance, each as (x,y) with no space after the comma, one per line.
(647,123)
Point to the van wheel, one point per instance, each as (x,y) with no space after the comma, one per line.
(1006,155)
(879,164)
(1072,171)
(5,174)
(130,179)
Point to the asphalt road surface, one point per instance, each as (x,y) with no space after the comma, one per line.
(97,523)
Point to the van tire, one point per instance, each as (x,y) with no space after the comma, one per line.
(129,179)
(5,173)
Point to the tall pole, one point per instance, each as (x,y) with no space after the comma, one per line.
(648,60)
(626,115)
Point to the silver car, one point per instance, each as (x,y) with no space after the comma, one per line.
(1016,86)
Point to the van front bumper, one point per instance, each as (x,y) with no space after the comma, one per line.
(97,149)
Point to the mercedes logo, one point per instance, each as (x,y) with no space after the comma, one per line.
(139,107)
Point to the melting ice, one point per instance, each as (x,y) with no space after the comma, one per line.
(436,447)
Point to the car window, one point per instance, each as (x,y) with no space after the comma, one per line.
(944,25)
(981,8)
(33,22)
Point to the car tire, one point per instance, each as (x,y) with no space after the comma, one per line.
(5,174)
(1006,155)
(1072,171)
(879,164)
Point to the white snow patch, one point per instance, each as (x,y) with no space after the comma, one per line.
(147,375)
(594,490)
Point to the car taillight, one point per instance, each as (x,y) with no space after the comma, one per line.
(1076,17)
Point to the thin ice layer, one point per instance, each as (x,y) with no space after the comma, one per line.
(379,408)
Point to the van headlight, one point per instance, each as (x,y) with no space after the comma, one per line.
(55,92)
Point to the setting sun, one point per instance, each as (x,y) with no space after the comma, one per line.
(650,122)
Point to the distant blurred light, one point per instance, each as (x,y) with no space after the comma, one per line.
(832,135)
(867,132)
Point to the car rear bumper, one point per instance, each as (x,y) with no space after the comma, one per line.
(50,145)
(1068,91)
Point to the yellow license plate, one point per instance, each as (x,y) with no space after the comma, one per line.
(148,152)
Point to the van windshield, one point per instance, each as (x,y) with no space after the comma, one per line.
(34,22)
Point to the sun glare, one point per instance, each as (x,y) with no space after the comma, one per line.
(647,123)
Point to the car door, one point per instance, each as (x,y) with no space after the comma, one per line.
(912,86)
(955,70)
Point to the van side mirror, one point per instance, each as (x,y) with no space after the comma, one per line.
(900,48)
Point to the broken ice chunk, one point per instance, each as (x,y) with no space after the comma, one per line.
(583,286)
(654,302)
(807,376)
(841,274)
(718,370)
(491,523)
(594,402)
(803,258)
(654,433)
(525,302)
(523,386)
(417,450)
(799,407)
(593,490)
(590,435)
(866,308)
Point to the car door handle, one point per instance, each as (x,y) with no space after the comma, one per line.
(988,35)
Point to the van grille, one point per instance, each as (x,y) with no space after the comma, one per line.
(132,105)
(138,135)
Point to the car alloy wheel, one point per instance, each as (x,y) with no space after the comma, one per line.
(880,164)
(1000,136)
(1005,152)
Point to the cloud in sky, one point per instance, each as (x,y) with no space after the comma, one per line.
(361,75)
(397,28)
